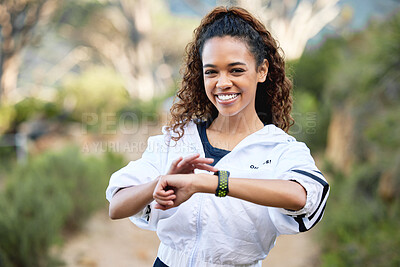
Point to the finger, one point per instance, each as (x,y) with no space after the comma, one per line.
(174,165)
(188,159)
(206,167)
(162,193)
(164,203)
(205,159)
(160,207)
(202,160)
(175,162)
(167,198)
(159,190)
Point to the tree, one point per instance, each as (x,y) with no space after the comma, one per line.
(18,19)
(292,22)
(119,31)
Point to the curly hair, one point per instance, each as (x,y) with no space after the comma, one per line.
(273,97)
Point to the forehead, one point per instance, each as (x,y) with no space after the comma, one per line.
(226,49)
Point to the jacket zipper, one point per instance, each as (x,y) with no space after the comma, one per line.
(198,234)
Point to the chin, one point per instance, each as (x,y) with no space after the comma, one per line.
(226,113)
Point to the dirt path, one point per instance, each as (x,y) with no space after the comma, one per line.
(105,243)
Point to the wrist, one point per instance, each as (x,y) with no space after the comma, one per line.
(155,182)
(205,183)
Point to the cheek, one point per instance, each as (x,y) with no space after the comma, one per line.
(208,88)
(208,83)
(210,96)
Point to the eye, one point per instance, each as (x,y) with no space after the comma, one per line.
(237,70)
(209,72)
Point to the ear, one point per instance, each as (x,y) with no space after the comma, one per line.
(263,71)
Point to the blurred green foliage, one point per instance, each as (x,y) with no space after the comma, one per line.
(90,98)
(11,116)
(361,74)
(27,109)
(359,228)
(98,95)
(95,91)
(7,116)
(32,107)
(147,110)
(311,74)
(77,13)
(53,193)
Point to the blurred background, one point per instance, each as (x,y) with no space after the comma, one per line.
(83,83)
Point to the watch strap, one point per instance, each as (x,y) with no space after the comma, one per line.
(223,183)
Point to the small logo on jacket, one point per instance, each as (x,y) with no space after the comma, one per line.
(268,161)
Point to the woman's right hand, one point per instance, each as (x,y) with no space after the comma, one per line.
(189,164)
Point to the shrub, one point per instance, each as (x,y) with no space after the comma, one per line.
(311,120)
(7,115)
(52,193)
(359,229)
(96,91)
(362,219)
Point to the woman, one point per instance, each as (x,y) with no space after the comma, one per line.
(224,180)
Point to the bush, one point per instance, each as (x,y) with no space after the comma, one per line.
(311,74)
(361,223)
(53,193)
(7,115)
(145,111)
(31,107)
(96,91)
(359,229)
(311,120)
(97,98)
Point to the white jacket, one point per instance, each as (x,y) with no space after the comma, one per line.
(210,231)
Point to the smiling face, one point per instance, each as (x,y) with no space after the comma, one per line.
(231,76)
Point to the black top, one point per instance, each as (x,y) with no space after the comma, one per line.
(209,150)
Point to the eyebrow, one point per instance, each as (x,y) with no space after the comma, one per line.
(229,65)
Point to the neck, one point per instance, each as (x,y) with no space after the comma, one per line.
(238,124)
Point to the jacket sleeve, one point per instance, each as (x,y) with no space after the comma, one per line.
(296,164)
(141,171)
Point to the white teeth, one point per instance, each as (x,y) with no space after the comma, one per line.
(227,97)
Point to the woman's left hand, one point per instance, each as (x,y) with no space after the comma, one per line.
(173,190)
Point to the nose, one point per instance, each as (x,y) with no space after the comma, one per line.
(223,82)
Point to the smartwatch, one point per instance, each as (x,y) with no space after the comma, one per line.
(223,178)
